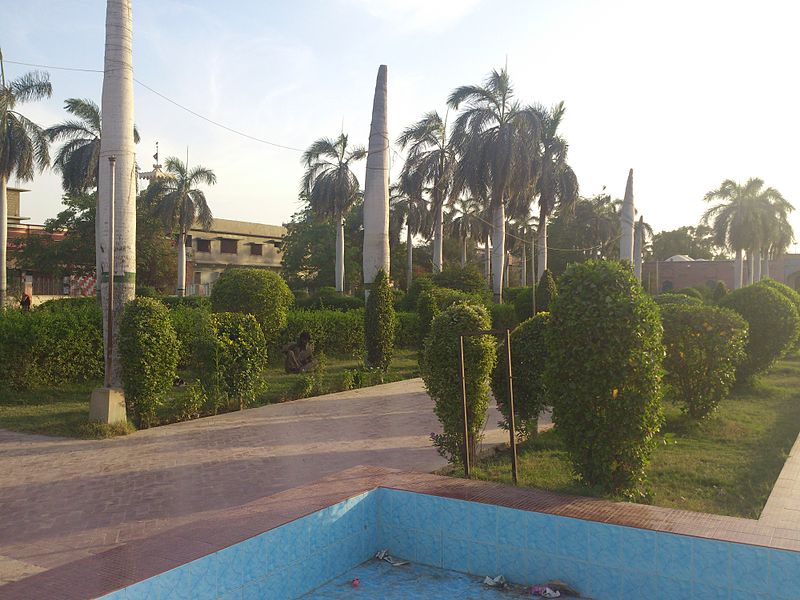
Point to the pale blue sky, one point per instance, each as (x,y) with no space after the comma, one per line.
(686,93)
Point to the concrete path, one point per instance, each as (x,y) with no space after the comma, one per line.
(63,499)
(783,505)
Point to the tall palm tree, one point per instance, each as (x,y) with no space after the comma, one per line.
(23,146)
(180,204)
(463,221)
(431,160)
(494,136)
(79,157)
(331,187)
(780,236)
(408,209)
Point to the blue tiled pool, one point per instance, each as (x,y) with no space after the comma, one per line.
(604,562)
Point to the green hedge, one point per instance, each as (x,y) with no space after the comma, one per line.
(546,291)
(148,350)
(336,333)
(603,372)
(791,295)
(674,298)
(327,298)
(467,279)
(433,301)
(418,285)
(407,334)
(193,329)
(704,346)
(504,316)
(690,292)
(203,302)
(772,326)
(380,324)
(523,304)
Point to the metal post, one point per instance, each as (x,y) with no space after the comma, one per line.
(112,161)
(464,399)
(511,421)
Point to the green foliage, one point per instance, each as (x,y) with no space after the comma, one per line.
(258,292)
(312,382)
(418,285)
(720,291)
(442,375)
(546,292)
(334,332)
(504,316)
(193,330)
(603,372)
(436,299)
(697,242)
(192,404)
(689,291)
(148,350)
(510,294)
(704,346)
(380,323)
(361,377)
(772,323)
(791,295)
(202,302)
(238,357)
(523,303)
(327,298)
(147,291)
(407,333)
(467,279)
(675,298)
(60,342)
(528,357)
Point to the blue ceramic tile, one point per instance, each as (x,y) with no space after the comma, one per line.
(602,582)
(429,548)
(483,521)
(482,559)
(230,565)
(573,539)
(702,590)
(540,566)
(455,519)
(513,564)
(784,574)
(749,567)
(566,569)
(455,554)
(253,563)
(639,586)
(672,589)
(711,562)
(512,527)
(429,512)
(403,505)
(232,595)
(118,595)
(605,544)
(639,550)
(144,590)
(255,590)
(542,531)
(200,578)
(674,556)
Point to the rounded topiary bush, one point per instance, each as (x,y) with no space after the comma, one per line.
(772,322)
(380,323)
(704,346)
(528,356)
(148,350)
(434,300)
(465,279)
(791,295)
(441,373)
(327,298)
(193,330)
(603,372)
(546,291)
(669,298)
(258,292)
(690,292)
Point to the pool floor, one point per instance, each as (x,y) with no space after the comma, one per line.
(380,580)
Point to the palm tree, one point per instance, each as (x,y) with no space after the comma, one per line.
(331,187)
(180,204)
(79,158)
(23,146)
(464,221)
(494,136)
(431,160)
(408,209)
(780,236)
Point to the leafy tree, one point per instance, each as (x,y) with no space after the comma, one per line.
(23,146)
(463,222)
(408,209)
(697,242)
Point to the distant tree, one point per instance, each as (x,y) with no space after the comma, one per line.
(697,242)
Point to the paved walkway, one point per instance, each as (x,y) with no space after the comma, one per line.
(63,499)
(783,505)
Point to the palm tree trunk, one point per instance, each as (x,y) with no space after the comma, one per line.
(463,252)
(409,258)
(524,267)
(498,249)
(750,269)
(738,272)
(757,265)
(507,270)
(438,236)
(488,259)
(339,276)
(3,240)
(765,268)
(542,266)
(117,140)
(180,290)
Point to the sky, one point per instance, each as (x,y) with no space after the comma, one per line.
(687,93)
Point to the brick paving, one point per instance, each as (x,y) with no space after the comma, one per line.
(63,500)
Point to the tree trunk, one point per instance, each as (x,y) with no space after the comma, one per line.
(3,241)
(488,259)
(507,270)
(757,265)
(542,235)
(765,268)
(738,272)
(339,276)
(750,269)
(409,258)
(117,141)
(438,235)
(498,249)
(180,289)
(524,281)
(463,252)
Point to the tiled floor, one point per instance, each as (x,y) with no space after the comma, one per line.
(63,500)
(783,506)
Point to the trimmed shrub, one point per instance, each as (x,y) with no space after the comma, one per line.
(62,304)
(546,291)
(258,292)
(528,357)
(238,357)
(334,332)
(704,346)
(148,350)
(327,298)
(193,330)
(433,301)
(791,295)
(720,291)
(669,298)
(441,373)
(772,322)
(380,323)
(407,333)
(689,291)
(603,372)
(418,285)
(504,316)
(467,279)
(147,291)
(523,304)
(510,294)
(203,302)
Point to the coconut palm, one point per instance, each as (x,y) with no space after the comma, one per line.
(180,204)
(495,139)
(408,209)
(23,146)
(331,187)
(79,157)
(463,221)
(431,160)
(780,236)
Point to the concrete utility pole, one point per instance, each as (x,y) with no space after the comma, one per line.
(376,188)
(627,216)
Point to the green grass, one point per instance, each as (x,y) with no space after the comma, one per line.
(724,465)
(65,411)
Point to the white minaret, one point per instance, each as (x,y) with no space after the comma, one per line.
(637,248)
(376,188)
(627,216)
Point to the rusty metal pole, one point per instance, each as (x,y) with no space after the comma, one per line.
(464,400)
(511,421)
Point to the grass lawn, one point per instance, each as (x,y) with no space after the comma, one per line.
(65,411)
(725,465)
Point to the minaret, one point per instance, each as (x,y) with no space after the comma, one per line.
(638,240)
(627,216)
(376,188)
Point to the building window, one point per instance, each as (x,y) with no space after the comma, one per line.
(228,246)
(255,250)
(204,245)
(198,278)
